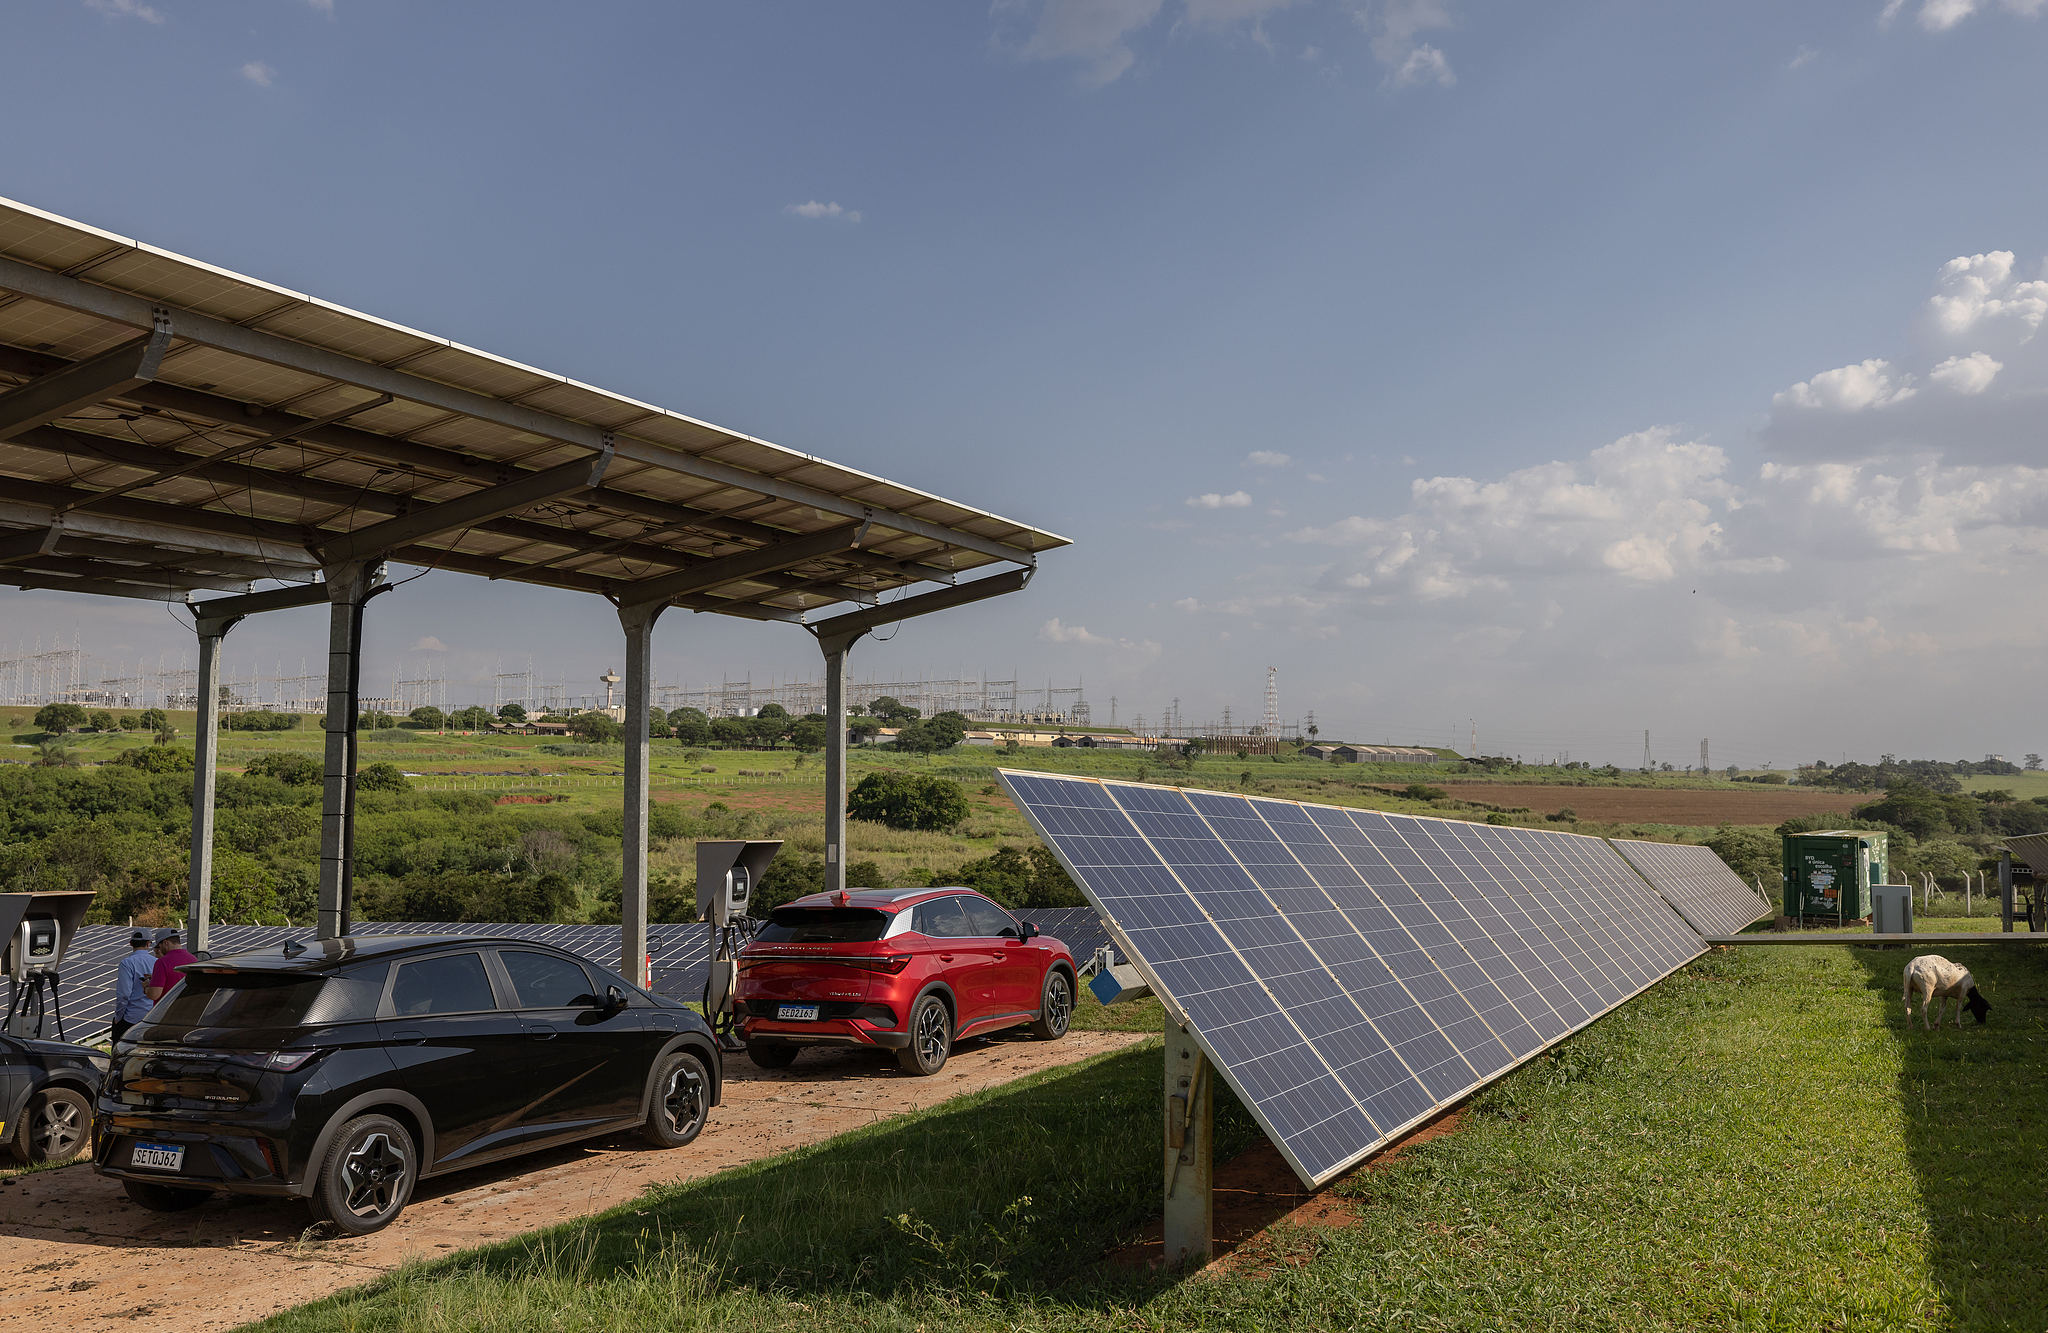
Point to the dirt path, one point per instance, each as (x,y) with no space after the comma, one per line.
(76,1255)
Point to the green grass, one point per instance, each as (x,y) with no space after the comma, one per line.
(1756,1143)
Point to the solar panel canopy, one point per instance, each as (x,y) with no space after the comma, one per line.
(1699,884)
(1352,973)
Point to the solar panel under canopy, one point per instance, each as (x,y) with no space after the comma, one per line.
(1697,883)
(1352,973)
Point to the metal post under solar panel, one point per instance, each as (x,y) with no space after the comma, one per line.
(1189,1214)
(835,765)
(637,619)
(205,759)
(348,587)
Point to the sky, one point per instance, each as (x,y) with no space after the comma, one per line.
(1561,371)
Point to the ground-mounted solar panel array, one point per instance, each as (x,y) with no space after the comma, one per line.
(1698,883)
(680,953)
(1349,972)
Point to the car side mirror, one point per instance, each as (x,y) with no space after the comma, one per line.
(614,999)
(1030,931)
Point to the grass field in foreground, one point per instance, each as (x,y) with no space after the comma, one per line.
(1757,1143)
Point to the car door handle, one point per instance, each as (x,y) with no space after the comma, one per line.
(540,1031)
(945,958)
(408,1035)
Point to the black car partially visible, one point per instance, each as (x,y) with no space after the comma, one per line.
(343,1072)
(46,1092)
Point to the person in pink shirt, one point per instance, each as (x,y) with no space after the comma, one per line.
(170,956)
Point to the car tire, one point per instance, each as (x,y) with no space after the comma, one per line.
(367,1177)
(681,1102)
(772,1054)
(1055,1006)
(56,1126)
(931,1038)
(163,1198)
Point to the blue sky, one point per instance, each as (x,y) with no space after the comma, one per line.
(1577,368)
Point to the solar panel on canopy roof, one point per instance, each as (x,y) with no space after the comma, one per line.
(1698,883)
(1353,973)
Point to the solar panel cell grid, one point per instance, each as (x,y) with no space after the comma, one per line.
(1711,897)
(1349,971)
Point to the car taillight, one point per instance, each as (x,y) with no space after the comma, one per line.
(284,1061)
(891,964)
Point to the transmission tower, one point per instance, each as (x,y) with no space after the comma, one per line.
(1704,765)
(1646,749)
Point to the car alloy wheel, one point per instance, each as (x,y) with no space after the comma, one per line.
(681,1100)
(368,1176)
(58,1125)
(1056,1007)
(372,1175)
(931,1038)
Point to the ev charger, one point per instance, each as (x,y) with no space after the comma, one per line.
(37,928)
(727,871)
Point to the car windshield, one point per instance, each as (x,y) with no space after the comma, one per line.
(269,999)
(823,925)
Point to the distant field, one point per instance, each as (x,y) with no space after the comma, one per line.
(2026,786)
(1666,805)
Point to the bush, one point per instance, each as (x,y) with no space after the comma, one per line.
(1420,791)
(293,770)
(56,719)
(158,759)
(910,801)
(1018,877)
(381,776)
(597,728)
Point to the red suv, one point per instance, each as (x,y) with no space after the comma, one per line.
(906,970)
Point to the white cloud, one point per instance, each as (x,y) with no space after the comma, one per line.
(1970,374)
(1425,64)
(1803,57)
(1889,12)
(1267,458)
(1212,500)
(1975,288)
(324,6)
(428,644)
(1855,388)
(259,74)
(1395,27)
(823,212)
(131,9)
(1055,631)
(1941,15)
(1191,605)
(1091,32)
(1230,13)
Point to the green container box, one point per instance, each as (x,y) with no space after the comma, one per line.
(1829,874)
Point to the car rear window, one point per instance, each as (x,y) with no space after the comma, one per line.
(451,984)
(823,925)
(270,999)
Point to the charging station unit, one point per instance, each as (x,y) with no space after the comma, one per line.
(727,871)
(37,928)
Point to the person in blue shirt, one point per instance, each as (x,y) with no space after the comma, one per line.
(131,1001)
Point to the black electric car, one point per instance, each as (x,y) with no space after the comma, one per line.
(343,1071)
(46,1091)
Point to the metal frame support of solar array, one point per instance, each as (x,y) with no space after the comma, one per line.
(1353,973)
(169,428)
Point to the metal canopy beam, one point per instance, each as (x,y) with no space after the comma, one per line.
(853,624)
(182,580)
(62,392)
(354,442)
(744,566)
(77,294)
(278,544)
(272,599)
(99,587)
(380,539)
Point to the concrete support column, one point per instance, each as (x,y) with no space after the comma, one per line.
(347,586)
(205,757)
(1190,1149)
(835,767)
(637,619)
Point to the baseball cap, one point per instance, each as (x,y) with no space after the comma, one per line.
(169,937)
(139,938)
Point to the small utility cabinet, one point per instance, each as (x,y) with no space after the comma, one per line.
(1828,875)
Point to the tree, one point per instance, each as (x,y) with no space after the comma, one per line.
(732,732)
(476,717)
(159,760)
(154,719)
(690,726)
(102,721)
(908,801)
(771,710)
(1752,853)
(860,728)
(940,731)
(381,777)
(56,719)
(765,730)
(428,718)
(810,732)
(2033,763)
(892,712)
(511,713)
(597,728)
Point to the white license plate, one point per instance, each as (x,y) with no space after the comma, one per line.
(797,1013)
(158,1156)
